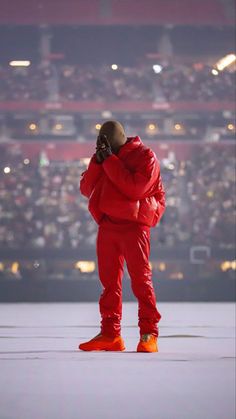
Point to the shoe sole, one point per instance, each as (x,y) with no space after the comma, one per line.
(115,348)
(144,350)
(102,350)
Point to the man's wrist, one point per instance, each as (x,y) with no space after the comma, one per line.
(95,160)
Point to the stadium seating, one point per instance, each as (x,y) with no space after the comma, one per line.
(41,205)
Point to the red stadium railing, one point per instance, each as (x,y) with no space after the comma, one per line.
(96,12)
(119,106)
(171,11)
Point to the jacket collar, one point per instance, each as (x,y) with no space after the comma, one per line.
(131,144)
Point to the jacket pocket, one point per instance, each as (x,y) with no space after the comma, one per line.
(148,211)
(114,203)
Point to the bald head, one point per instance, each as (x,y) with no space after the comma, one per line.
(115,134)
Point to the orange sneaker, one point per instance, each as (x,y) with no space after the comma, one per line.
(147,343)
(103,343)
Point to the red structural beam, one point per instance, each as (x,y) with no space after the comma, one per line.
(121,106)
(110,12)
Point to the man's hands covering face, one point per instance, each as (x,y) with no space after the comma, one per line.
(103,148)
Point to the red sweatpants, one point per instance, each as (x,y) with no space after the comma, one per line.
(132,244)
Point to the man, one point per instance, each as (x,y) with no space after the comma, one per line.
(126,198)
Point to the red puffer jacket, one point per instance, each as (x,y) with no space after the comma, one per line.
(126,186)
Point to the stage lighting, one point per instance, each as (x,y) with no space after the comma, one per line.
(7,169)
(85,266)
(157,68)
(231,127)
(226,62)
(19,63)
(227,264)
(151,128)
(162,266)
(32,126)
(58,127)
(15,267)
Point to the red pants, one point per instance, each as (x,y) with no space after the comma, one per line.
(114,245)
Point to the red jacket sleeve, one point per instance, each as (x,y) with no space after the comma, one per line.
(132,184)
(90,177)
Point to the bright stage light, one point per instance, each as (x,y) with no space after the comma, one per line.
(157,68)
(15,267)
(178,127)
(85,266)
(225,62)
(32,126)
(228,264)
(7,169)
(58,127)
(231,127)
(151,128)
(19,63)
(162,266)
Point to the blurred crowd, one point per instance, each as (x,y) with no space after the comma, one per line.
(20,83)
(178,82)
(41,205)
(200,200)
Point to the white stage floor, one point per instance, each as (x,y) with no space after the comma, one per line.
(44,376)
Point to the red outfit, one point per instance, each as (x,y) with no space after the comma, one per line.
(126,198)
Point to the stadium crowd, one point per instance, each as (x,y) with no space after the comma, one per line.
(98,83)
(41,206)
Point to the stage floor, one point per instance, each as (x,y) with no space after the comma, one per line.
(44,376)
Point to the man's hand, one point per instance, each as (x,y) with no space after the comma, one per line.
(99,156)
(103,148)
